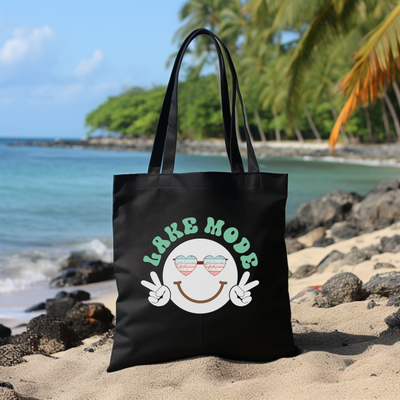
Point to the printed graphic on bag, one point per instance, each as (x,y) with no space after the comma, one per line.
(200,275)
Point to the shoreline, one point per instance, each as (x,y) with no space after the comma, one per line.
(344,286)
(368,154)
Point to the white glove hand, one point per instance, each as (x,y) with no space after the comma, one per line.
(159,294)
(240,294)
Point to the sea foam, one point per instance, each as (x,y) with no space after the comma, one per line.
(20,269)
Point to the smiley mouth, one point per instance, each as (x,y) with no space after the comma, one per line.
(200,301)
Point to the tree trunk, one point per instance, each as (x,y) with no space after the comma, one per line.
(396,90)
(239,139)
(312,125)
(245,121)
(277,132)
(393,114)
(385,120)
(342,131)
(260,128)
(298,134)
(369,126)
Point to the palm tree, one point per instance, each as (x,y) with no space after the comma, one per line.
(320,22)
(274,89)
(376,64)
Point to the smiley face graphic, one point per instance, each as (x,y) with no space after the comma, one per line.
(200,276)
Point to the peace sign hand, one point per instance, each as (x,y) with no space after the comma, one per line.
(159,294)
(240,294)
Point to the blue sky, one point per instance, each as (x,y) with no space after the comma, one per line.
(61,59)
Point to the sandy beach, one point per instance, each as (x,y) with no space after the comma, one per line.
(347,352)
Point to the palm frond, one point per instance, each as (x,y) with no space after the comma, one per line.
(293,13)
(376,62)
(324,27)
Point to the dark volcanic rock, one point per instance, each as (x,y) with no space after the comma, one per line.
(385,186)
(384,284)
(335,206)
(323,242)
(36,307)
(390,245)
(348,214)
(106,338)
(304,270)
(393,301)
(59,307)
(393,320)
(11,355)
(89,319)
(355,256)
(371,250)
(329,259)
(49,335)
(89,272)
(78,295)
(320,212)
(378,210)
(344,287)
(6,385)
(293,245)
(371,304)
(75,260)
(344,230)
(294,228)
(383,265)
(4,331)
(46,334)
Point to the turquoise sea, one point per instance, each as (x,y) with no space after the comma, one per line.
(54,200)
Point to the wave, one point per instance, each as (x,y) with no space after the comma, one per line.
(20,269)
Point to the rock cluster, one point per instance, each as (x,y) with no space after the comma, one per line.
(67,322)
(345,287)
(347,214)
(44,335)
(353,257)
(88,272)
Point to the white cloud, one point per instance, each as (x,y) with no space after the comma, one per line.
(56,93)
(25,44)
(87,65)
(28,61)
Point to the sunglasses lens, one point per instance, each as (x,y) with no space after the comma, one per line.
(214,265)
(185,265)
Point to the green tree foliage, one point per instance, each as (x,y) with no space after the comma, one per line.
(136,111)
(290,88)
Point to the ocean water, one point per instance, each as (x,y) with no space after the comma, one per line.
(54,201)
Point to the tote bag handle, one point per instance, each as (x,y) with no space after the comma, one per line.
(166,128)
(165,141)
(231,139)
(171,136)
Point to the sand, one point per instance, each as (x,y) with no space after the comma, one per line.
(347,353)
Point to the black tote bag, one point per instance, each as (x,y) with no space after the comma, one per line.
(200,258)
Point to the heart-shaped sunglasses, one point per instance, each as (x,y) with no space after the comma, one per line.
(186,265)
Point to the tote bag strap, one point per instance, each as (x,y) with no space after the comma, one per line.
(165,142)
(165,120)
(231,139)
(171,135)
